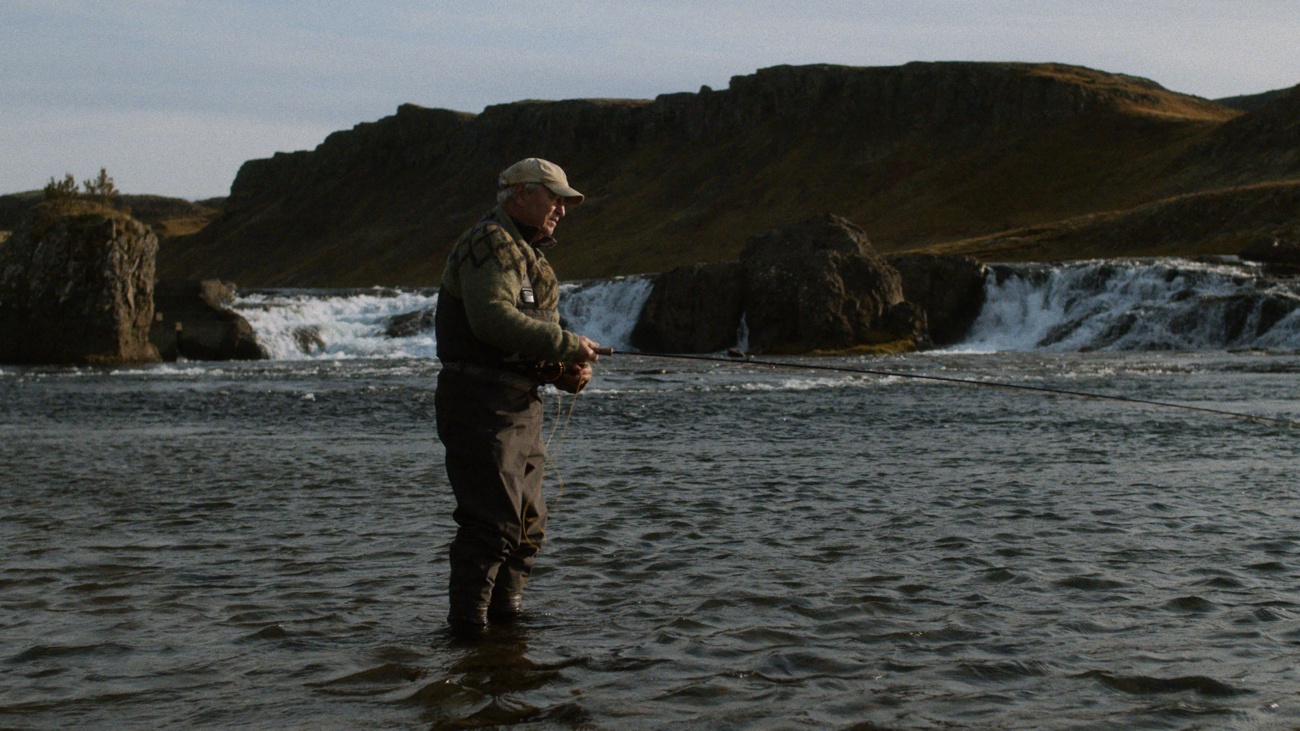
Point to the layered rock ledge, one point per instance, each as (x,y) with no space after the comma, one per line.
(76,287)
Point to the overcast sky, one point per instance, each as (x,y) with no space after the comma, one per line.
(171,96)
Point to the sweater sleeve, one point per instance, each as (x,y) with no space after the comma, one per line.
(489,291)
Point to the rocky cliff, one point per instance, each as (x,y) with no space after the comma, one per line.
(919,155)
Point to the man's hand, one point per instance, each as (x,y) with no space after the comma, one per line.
(575,377)
(587,349)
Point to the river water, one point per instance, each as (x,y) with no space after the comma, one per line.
(262,545)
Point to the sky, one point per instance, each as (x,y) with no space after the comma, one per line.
(172,96)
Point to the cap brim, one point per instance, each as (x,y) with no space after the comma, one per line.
(571,196)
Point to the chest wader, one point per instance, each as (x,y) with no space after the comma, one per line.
(490,422)
(495,454)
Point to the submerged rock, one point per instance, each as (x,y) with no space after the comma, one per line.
(408,324)
(76,287)
(308,339)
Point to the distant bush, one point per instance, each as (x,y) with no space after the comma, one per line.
(100,188)
(98,191)
(66,188)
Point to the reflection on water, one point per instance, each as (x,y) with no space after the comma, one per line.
(263,546)
(479,688)
(482,685)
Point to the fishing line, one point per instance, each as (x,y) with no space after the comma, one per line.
(747,360)
(560,423)
(562,426)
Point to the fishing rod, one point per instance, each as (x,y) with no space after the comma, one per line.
(738,358)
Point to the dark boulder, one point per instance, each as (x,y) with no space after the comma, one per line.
(76,287)
(820,285)
(1274,251)
(950,289)
(408,324)
(195,322)
(692,309)
(815,285)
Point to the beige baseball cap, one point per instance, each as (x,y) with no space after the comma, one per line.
(537,170)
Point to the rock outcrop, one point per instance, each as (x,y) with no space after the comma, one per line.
(408,324)
(76,287)
(816,285)
(950,289)
(819,285)
(692,309)
(194,321)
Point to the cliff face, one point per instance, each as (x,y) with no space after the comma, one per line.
(918,155)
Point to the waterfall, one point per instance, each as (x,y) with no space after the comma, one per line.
(1123,304)
(1161,304)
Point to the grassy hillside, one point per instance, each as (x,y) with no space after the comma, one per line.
(939,156)
(1220,221)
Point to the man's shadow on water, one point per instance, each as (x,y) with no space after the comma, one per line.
(482,686)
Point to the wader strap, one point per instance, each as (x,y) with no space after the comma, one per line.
(526,292)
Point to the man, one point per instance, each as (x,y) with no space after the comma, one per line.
(499,337)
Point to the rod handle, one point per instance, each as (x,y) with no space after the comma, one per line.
(603,351)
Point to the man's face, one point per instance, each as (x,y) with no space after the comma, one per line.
(541,208)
